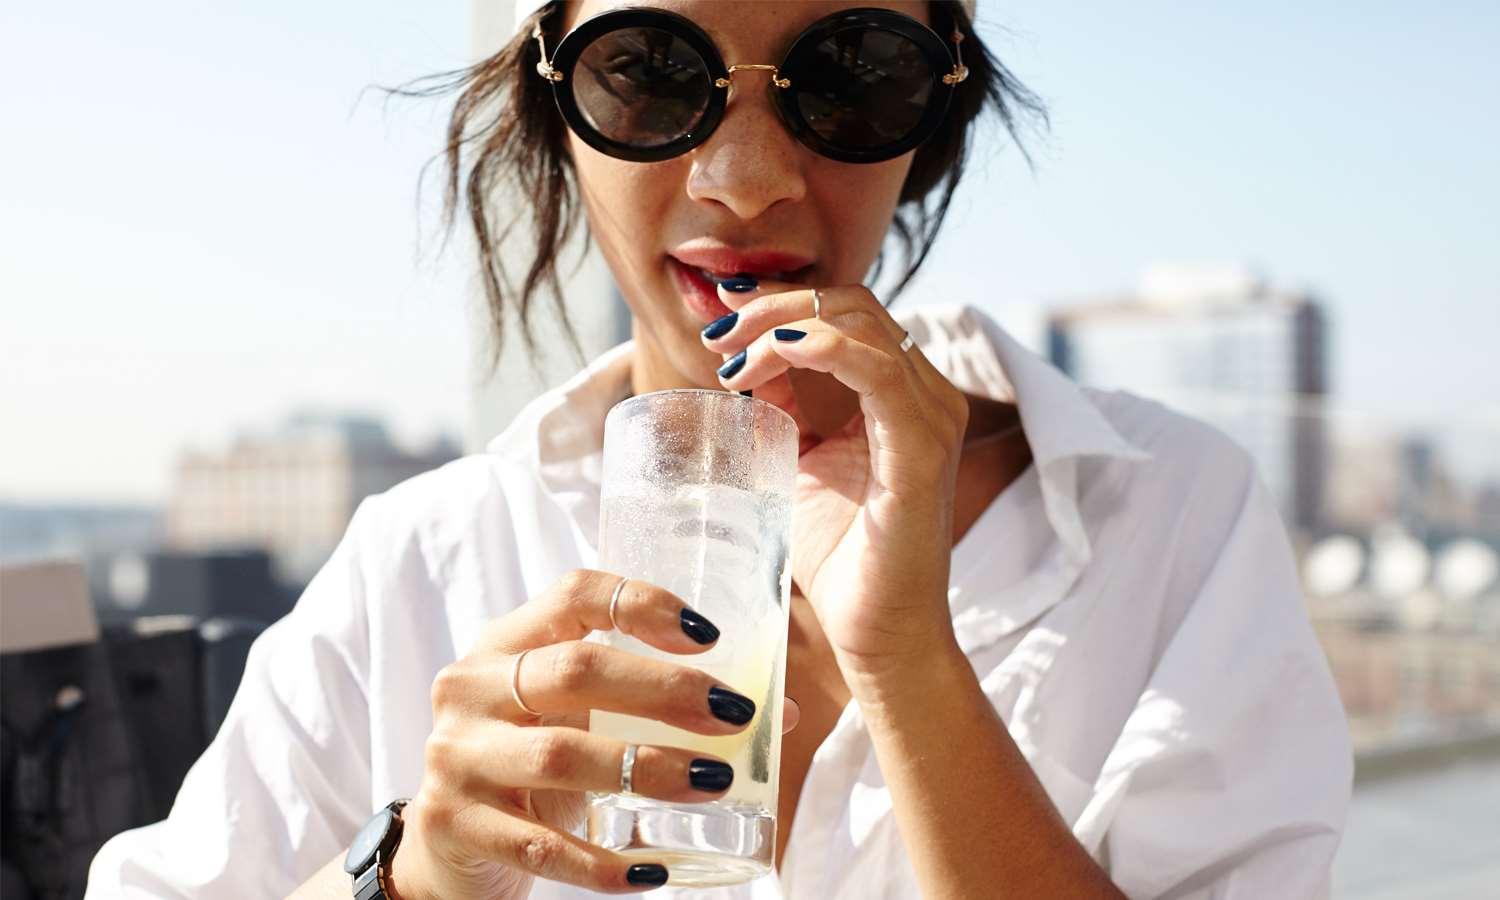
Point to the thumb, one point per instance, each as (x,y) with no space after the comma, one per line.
(791,714)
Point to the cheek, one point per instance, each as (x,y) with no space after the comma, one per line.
(621,199)
(627,204)
(872,192)
(860,202)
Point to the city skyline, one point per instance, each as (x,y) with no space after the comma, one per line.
(211,223)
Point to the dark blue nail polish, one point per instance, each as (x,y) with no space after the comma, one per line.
(736,709)
(710,775)
(787,335)
(647,873)
(732,366)
(697,627)
(739,284)
(721,326)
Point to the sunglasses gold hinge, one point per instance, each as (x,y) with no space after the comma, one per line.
(776,78)
(960,71)
(544,68)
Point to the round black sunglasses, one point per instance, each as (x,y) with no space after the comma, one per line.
(859,86)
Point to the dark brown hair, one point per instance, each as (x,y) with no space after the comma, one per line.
(505,132)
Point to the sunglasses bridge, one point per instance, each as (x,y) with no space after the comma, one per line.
(776,78)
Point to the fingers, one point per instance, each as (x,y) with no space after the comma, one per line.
(516,840)
(851,310)
(952,399)
(889,390)
(579,603)
(791,714)
(774,303)
(576,675)
(495,758)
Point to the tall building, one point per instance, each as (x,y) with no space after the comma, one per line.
(1219,344)
(291,491)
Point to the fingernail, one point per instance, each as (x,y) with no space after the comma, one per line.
(787,335)
(697,627)
(732,367)
(710,775)
(647,873)
(721,326)
(733,708)
(739,284)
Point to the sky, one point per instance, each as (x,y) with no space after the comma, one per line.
(208,220)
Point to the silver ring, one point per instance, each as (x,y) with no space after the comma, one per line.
(627,769)
(515,684)
(614,603)
(817,304)
(906,342)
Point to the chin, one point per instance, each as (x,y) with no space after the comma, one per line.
(683,358)
(704,372)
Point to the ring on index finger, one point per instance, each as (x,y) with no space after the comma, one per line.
(906,341)
(817,304)
(614,604)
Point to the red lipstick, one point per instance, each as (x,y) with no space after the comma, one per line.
(698,267)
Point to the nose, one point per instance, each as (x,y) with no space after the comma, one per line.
(750,163)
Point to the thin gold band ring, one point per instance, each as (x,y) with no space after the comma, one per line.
(515,684)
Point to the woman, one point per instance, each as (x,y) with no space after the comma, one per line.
(1044,641)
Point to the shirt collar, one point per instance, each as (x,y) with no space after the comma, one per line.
(561,433)
(1062,424)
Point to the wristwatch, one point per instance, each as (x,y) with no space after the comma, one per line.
(369,857)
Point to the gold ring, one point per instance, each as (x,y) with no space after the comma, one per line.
(614,603)
(817,304)
(515,684)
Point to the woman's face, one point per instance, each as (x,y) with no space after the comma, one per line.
(749,199)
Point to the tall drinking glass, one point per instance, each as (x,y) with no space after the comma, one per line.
(697,499)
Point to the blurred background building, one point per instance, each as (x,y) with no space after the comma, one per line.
(290,490)
(243,528)
(1397,542)
(1219,343)
(1397,531)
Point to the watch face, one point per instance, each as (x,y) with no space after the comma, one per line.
(362,851)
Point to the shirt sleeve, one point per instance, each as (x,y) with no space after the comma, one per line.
(286,781)
(1231,776)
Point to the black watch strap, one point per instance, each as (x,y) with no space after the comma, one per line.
(368,861)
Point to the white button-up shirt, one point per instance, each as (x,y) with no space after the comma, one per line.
(1129,605)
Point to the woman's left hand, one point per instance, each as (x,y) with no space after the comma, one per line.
(874,502)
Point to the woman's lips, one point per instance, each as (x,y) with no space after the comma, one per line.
(696,273)
(698,293)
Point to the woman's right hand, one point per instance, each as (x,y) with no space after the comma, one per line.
(502,788)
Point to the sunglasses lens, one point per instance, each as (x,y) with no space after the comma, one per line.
(864,88)
(640,86)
